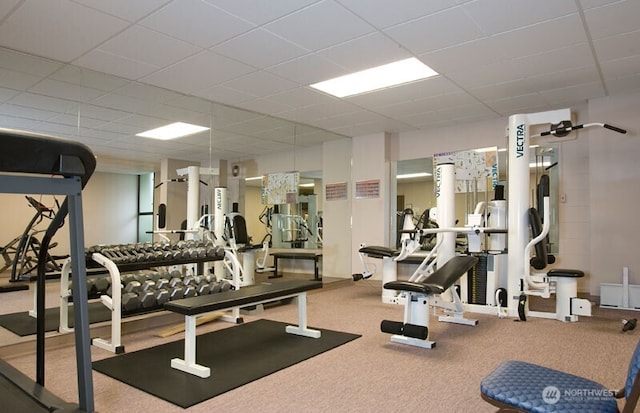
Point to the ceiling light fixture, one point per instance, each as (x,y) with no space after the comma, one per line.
(413,175)
(376,78)
(172,131)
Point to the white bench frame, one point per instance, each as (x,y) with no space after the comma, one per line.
(189,365)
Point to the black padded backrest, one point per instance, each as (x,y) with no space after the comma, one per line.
(240,230)
(539,260)
(445,276)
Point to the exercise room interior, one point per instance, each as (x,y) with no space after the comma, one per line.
(429,241)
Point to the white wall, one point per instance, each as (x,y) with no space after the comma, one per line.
(336,248)
(614,180)
(109,206)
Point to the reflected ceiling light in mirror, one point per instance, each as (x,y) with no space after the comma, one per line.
(253,178)
(172,131)
(376,78)
(414,175)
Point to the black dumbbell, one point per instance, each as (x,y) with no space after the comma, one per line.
(102,284)
(133,286)
(130,301)
(147,298)
(176,293)
(162,296)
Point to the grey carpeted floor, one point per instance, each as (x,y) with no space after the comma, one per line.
(372,374)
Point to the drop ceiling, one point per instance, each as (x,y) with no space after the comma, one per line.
(101,71)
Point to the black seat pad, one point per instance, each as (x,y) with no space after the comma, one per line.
(441,280)
(563,272)
(379,252)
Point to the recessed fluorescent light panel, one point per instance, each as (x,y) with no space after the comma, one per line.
(172,131)
(413,175)
(376,78)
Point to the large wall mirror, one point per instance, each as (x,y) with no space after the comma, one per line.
(415,188)
(296,224)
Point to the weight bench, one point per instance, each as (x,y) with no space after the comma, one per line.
(414,330)
(297,255)
(251,295)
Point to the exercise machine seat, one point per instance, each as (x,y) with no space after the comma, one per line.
(527,387)
(379,252)
(241,235)
(441,279)
(563,272)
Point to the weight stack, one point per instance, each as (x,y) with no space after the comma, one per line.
(477,282)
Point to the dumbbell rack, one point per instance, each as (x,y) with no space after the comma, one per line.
(114,302)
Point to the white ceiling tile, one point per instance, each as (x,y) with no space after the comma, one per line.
(116,65)
(434,32)
(308,69)
(503,90)
(21,62)
(572,94)
(539,38)
(25,111)
(197,72)
(470,54)
(72,119)
(371,50)
(261,84)
(138,43)
(100,112)
(589,4)
(261,12)
(555,60)
(83,29)
(266,106)
(48,103)
(612,19)
(623,84)
(124,9)
(6,94)
(196,22)
(618,47)
(627,66)
(303,96)
(6,6)
(55,88)
(515,14)
(319,26)
(17,80)
(146,92)
(470,77)
(225,94)
(516,104)
(87,77)
(259,48)
(384,13)
(565,78)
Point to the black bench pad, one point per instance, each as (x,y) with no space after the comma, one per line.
(561,272)
(237,298)
(379,252)
(440,280)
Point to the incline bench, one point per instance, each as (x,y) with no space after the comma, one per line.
(251,295)
(297,255)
